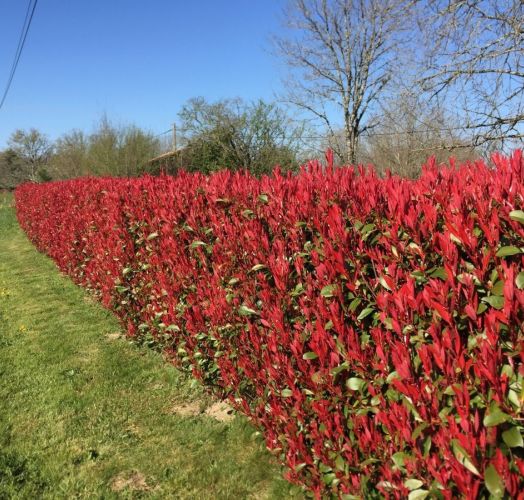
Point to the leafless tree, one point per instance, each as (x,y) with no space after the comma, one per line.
(410,131)
(342,55)
(476,58)
(33,148)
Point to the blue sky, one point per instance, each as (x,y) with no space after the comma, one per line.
(135,60)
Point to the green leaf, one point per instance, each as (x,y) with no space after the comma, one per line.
(258,267)
(299,289)
(440,273)
(246,311)
(494,301)
(366,312)
(126,270)
(329,325)
(455,239)
(513,438)
(419,275)
(519,281)
(418,494)
(481,308)
(392,376)
(462,456)
(517,215)
(196,244)
(367,228)
(354,304)
(329,478)
(299,467)
(427,446)
(152,236)
(340,463)
(513,397)
(495,417)
(449,390)
(493,482)
(286,393)
(384,284)
(340,368)
(388,323)
(507,370)
(355,383)
(498,288)
(413,484)
(398,458)
(418,430)
(310,355)
(263,198)
(328,290)
(507,251)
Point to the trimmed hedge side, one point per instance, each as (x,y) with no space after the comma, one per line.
(373,328)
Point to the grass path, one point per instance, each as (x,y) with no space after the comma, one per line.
(84,414)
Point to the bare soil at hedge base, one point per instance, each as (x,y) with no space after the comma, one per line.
(86,414)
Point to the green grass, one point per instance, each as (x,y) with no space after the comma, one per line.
(85,415)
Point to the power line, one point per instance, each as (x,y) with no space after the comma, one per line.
(21,42)
(363,134)
(401,133)
(21,37)
(170,131)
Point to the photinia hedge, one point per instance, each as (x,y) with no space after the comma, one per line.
(372,327)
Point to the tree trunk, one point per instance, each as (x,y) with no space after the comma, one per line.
(351,144)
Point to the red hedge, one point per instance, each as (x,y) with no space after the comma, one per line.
(373,327)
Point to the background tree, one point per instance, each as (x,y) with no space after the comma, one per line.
(12,171)
(137,147)
(410,130)
(122,150)
(103,149)
(33,149)
(234,134)
(70,158)
(475,58)
(344,56)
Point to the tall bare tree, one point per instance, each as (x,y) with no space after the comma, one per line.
(343,56)
(476,56)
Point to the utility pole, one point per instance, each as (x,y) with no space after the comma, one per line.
(174,136)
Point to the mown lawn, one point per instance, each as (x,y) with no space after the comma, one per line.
(86,414)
